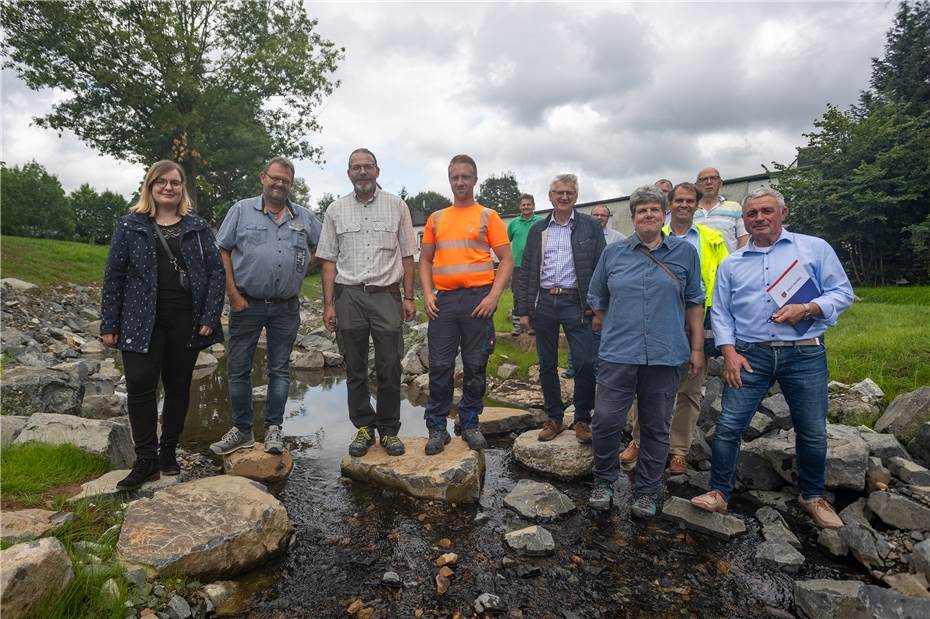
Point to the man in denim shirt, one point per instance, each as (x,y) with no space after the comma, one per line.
(266,244)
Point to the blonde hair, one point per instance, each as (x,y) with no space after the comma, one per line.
(146,205)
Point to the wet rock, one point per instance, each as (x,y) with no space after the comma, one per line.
(722,526)
(391,579)
(531,541)
(216,526)
(454,475)
(777,408)
(905,414)
(827,599)
(33,572)
(563,457)
(312,360)
(442,584)
(882,445)
(900,512)
(488,603)
(754,469)
(10,427)
(230,600)
(919,447)
(205,360)
(914,585)
(103,407)
(868,546)
(780,555)
(105,486)
(847,457)
(909,471)
(920,558)
(447,558)
(877,477)
(832,540)
(30,524)
(500,420)
(27,391)
(104,437)
(774,527)
(17,284)
(254,463)
(538,501)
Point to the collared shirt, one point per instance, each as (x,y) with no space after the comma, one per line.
(692,237)
(558,263)
(517,231)
(742,306)
(367,240)
(645,308)
(269,258)
(612,236)
(726,218)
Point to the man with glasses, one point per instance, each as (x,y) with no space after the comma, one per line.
(717,212)
(366,249)
(266,244)
(558,261)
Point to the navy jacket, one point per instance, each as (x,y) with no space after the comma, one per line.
(130,282)
(587,246)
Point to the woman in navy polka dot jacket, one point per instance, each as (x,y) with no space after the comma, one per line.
(160,308)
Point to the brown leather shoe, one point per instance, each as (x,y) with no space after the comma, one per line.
(550,430)
(710,502)
(821,512)
(631,454)
(678,465)
(583,431)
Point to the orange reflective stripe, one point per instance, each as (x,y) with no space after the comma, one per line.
(475,267)
(462,244)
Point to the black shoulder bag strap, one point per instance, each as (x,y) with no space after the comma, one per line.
(182,275)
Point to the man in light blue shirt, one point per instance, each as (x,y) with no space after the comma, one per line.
(762,343)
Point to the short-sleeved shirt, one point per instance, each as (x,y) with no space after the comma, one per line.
(517,231)
(269,259)
(463,237)
(612,236)
(726,218)
(367,240)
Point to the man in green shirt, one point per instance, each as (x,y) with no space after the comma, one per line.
(517,230)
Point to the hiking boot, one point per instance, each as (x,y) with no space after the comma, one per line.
(144,469)
(360,444)
(168,461)
(711,502)
(393,445)
(474,438)
(678,465)
(516,332)
(602,495)
(550,430)
(643,507)
(233,440)
(821,512)
(273,442)
(583,431)
(438,439)
(631,454)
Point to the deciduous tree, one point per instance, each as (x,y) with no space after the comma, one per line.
(33,203)
(501,193)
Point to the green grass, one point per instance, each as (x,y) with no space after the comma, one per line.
(896,295)
(44,262)
(28,472)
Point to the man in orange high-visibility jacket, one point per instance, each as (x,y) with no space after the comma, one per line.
(455,259)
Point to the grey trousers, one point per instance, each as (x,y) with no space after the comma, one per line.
(617,385)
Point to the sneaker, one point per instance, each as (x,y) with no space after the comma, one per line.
(273,442)
(583,431)
(233,440)
(474,438)
(602,495)
(550,430)
(438,439)
(144,469)
(569,373)
(821,512)
(361,442)
(516,332)
(393,445)
(678,465)
(643,507)
(168,461)
(710,502)
(631,454)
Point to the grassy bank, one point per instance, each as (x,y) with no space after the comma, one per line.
(30,473)
(43,262)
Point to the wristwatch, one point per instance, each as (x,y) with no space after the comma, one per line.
(409,299)
(807,311)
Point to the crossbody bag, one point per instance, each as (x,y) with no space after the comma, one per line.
(182,274)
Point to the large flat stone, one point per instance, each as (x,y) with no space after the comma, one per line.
(208,528)
(106,437)
(33,574)
(30,524)
(500,420)
(454,475)
(905,414)
(254,463)
(538,501)
(847,457)
(563,457)
(722,526)
(900,512)
(105,486)
(827,599)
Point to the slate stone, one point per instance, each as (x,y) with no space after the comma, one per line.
(531,541)
(909,471)
(867,545)
(538,501)
(759,424)
(900,512)
(877,477)
(777,408)
(500,420)
(883,445)
(780,555)
(105,486)
(920,558)
(754,469)
(914,585)
(832,540)
(847,457)
(919,447)
(774,527)
(905,414)
(28,390)
(563,457)
(827,599)
(722,526)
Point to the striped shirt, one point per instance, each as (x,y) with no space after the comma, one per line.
(726,218)
(558,264)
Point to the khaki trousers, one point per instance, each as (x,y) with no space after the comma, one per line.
(685,416)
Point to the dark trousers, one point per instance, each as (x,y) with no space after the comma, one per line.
(380,315)
(617,385)
(553,311)
(455,329)
(169,358)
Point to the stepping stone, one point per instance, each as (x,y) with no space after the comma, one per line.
(900,512)
(254,463)
(454,475)
(774,527)
(563,457)
(33,572)
(105,486)
(500,420)
(209,528)
(30,524)
(722,526)
(531,541)
(538,501)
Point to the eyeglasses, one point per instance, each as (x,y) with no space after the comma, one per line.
(704,179)
(358,167)
(161,182)
(279,180)
(565,193)
(601,215)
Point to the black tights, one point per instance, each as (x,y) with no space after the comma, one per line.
(169,357)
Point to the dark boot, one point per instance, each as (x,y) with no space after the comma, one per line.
(145,469)
(168,461)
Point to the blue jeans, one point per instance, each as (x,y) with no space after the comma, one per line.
(553,311)
(801,371)
(280,321)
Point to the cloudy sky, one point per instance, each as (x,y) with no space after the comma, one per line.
(620,94)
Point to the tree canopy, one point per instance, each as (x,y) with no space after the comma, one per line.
(33,203)
(217,86)
(501,193)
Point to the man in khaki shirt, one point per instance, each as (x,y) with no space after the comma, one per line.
(366,248)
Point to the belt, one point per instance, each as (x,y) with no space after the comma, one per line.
(370,288)
(561,290)
(268,300)
(811,341)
